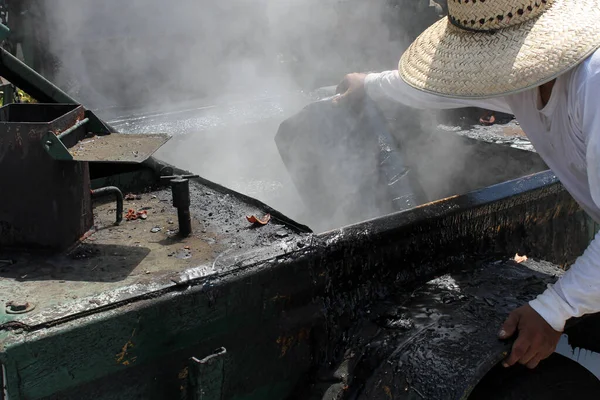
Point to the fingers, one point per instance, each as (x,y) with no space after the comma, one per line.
(529,355)
(536,340)
(533,363)
(519,349)
(340,98)
(343,86)
(342,91)
(528,351)
(510,325)
(542,354)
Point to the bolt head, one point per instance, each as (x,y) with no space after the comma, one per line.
(19,307)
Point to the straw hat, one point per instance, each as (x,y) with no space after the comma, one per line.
(488,48)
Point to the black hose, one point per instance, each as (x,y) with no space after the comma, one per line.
(118,194)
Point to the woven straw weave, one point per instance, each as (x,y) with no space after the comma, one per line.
(495,14)
(450,61)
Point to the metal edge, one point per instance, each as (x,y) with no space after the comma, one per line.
(158,165)
(445,207)
(165,137)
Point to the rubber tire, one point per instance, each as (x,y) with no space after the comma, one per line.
(557,377)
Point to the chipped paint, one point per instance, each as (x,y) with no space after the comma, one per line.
(387,391)
(287,342)
(124,352)
(183,373)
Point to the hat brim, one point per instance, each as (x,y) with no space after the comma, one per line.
(453,62)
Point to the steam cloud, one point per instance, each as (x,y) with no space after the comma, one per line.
(232,70)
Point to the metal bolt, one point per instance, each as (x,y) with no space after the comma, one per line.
(16,307)
(180,190)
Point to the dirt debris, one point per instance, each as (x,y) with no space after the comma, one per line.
(259,221)
(519,259)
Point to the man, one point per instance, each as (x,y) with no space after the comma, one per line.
(538,60)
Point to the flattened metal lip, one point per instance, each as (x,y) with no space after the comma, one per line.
(444,207)
(117,147)
(299,228)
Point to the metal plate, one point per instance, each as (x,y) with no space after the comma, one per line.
(117,147)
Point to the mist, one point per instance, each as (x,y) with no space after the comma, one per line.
(222,76)
(146,52)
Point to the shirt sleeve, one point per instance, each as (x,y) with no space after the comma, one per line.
(577,292)
(390,85)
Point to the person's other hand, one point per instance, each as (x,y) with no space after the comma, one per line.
(536,339)
(351,89)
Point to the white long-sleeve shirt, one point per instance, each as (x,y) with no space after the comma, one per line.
(566,134)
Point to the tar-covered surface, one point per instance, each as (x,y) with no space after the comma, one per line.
(433,342)
(137,257)
(231,142)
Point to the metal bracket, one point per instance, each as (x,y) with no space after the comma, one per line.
(101,145)
(4,31)
(205,376)
(53,142)
(55,147)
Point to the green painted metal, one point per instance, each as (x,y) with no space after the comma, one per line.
(97,125)
(24,77)
(55,147)
(53,143)
(205,376)
(266,310)
(80,142)
(4,32)
(114,345)
(62,135)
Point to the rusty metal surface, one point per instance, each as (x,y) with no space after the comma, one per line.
(45,204)
(114,263)
(129,148)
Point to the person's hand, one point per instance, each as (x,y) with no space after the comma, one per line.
(536,339)
(351,89)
